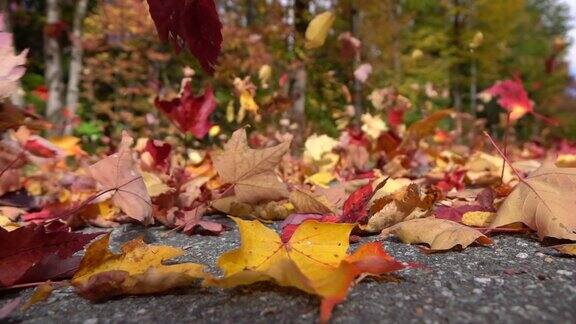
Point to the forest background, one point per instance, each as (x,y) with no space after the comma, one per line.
(95,67)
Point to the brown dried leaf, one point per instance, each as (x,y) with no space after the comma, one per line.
(439,234)
(250,170)
(544,201)
(306,202)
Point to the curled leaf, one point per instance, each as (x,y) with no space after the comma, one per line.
(138,270)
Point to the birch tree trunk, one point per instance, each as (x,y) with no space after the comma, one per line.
(358,86)
(77,53)
(53,73)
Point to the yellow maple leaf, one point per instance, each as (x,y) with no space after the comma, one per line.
(137,270)
(314,260)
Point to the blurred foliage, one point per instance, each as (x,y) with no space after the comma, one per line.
(422,49)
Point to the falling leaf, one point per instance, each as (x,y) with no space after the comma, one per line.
(313,260)
(191,114)
(439,234)
(318,29)
(118,174)
(36,254)
(138,270)
(543,201)
(251,171)
(194,24)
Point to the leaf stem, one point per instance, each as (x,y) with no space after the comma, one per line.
(506,131)
(520,177)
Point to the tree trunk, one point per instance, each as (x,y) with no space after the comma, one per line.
(456,68)
(358,87)
(53,74)
(77,52)
(300,78)
(250,13)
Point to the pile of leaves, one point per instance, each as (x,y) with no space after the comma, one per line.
(413,182)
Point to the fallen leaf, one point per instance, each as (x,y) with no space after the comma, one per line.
(318,29)
(568,249)
(194,24)
(138,270)
(404,204)
(313,260)
(272,210)
(32,253)
(543,201)
(154,185)
(478,218)
(251,171)
(306,202)
(42,293)
(292,222)
(192,220)
(439,234)
(118,174)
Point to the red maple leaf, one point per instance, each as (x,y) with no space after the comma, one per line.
(159,151)
(189,113)
(35,253)
(191,23)
(354,209)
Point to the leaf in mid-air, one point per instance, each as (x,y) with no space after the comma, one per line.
(314,260)
(251,171)
(138,270)
(544,201)
(191,114)
(194,24)
(318,29)
(118,174)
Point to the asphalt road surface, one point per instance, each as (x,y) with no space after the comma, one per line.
(518,280)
